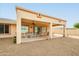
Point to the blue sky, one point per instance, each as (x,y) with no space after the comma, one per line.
(69,12)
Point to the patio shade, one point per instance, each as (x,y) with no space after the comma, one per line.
(31,22)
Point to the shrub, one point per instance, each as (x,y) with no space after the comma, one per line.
(76,25)
(14,39)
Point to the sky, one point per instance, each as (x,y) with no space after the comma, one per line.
(65,11)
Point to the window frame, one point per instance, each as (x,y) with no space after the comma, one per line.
(4,31)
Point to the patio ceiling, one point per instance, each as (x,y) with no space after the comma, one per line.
(37,23)
(31,22)
(54,25)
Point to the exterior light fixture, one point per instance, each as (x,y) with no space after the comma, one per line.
(38,15)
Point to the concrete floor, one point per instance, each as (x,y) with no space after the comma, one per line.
(54,47)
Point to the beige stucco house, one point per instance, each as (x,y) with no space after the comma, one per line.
(31,26)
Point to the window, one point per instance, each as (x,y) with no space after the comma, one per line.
(36,29)
(24,29)
(1,28)
(4,28)
(44,29)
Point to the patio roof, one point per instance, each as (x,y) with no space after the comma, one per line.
(33,12)
(31,22)
(37,23)
(7,21)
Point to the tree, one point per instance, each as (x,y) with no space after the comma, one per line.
(76,25)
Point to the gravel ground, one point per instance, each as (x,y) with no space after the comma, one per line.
(54,47)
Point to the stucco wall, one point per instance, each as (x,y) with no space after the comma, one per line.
(70,31)
(13,29)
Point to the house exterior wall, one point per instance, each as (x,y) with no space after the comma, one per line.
(31,29)
(12,29)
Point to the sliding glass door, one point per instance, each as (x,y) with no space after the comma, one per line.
(1,28)
(4,28)
(40,29)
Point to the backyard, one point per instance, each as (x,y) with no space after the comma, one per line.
(55,47)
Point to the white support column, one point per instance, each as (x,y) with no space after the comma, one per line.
(64,30)
(50,30)
(18,31)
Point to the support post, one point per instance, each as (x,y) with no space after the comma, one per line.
(18,30)
(50,30)
(64,30)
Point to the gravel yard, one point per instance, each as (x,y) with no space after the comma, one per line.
(54,47)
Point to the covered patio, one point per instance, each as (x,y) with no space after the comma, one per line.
(34,30)
(33,26)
